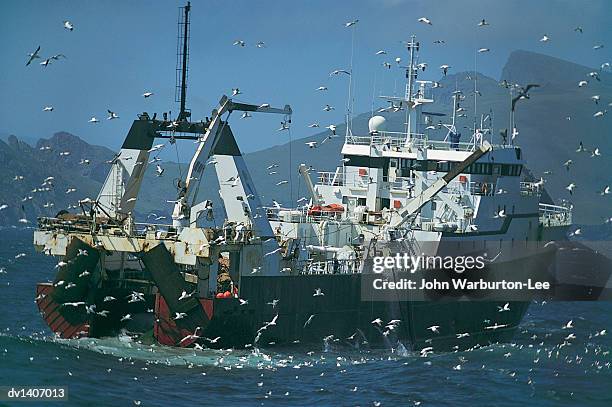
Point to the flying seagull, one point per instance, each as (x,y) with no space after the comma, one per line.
(33,56)
(523,93)
(339,71)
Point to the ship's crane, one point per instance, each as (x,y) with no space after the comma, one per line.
(219,142)
(419,201)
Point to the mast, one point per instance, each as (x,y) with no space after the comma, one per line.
(411,75)
(183,57)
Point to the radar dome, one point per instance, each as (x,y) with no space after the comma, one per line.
(377,123)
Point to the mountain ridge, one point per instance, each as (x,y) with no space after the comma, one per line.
(550,121)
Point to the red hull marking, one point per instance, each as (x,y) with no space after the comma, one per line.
(50,311)
(166,332)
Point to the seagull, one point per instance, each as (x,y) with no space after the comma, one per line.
(328,108)
(311,144)
(605,190)
(500,214)
(568,164)
(243,302)
(111,115)
(596,153)
(156,147)
(568,325)
(239,43)
(481,50)
(159,170)
(74,304)
(582,83)
(282,183)
(273,322)
(125,317)
(483,23)
(33,56)
(506,307)
(109,298)
(424,20)
(48,109)
(309,320)
(322,88)
(578,29)
(595,75)
(377,321)
(46,62)
(68,25)
(600,113)
(246,115)
(570,188)
(313,125)
(318,292)
(215,340)
(184,295)
(94,120)
(496,326)
(179,315)
(444,68)
(598,46)
(147,94)
(351,23)
(381,52)
(260,44)
(339,71)
(191,337)
(434,329)
(236,91)
(264,105)
(545,38)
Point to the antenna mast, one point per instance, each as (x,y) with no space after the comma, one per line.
(182,59)
(410,75)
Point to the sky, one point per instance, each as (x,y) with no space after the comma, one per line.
(120,49)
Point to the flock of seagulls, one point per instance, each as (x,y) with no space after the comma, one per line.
(387,328)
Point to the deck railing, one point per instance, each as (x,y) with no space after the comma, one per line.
(398,141)
(555,215)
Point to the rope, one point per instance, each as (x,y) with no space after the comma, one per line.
(289,171)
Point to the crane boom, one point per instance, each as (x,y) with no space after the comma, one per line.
(418,202)
(216,130)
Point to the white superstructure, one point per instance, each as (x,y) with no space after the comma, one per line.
(387,186)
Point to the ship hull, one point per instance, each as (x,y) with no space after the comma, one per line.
(341,315)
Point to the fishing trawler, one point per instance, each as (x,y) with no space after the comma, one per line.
(274,275)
